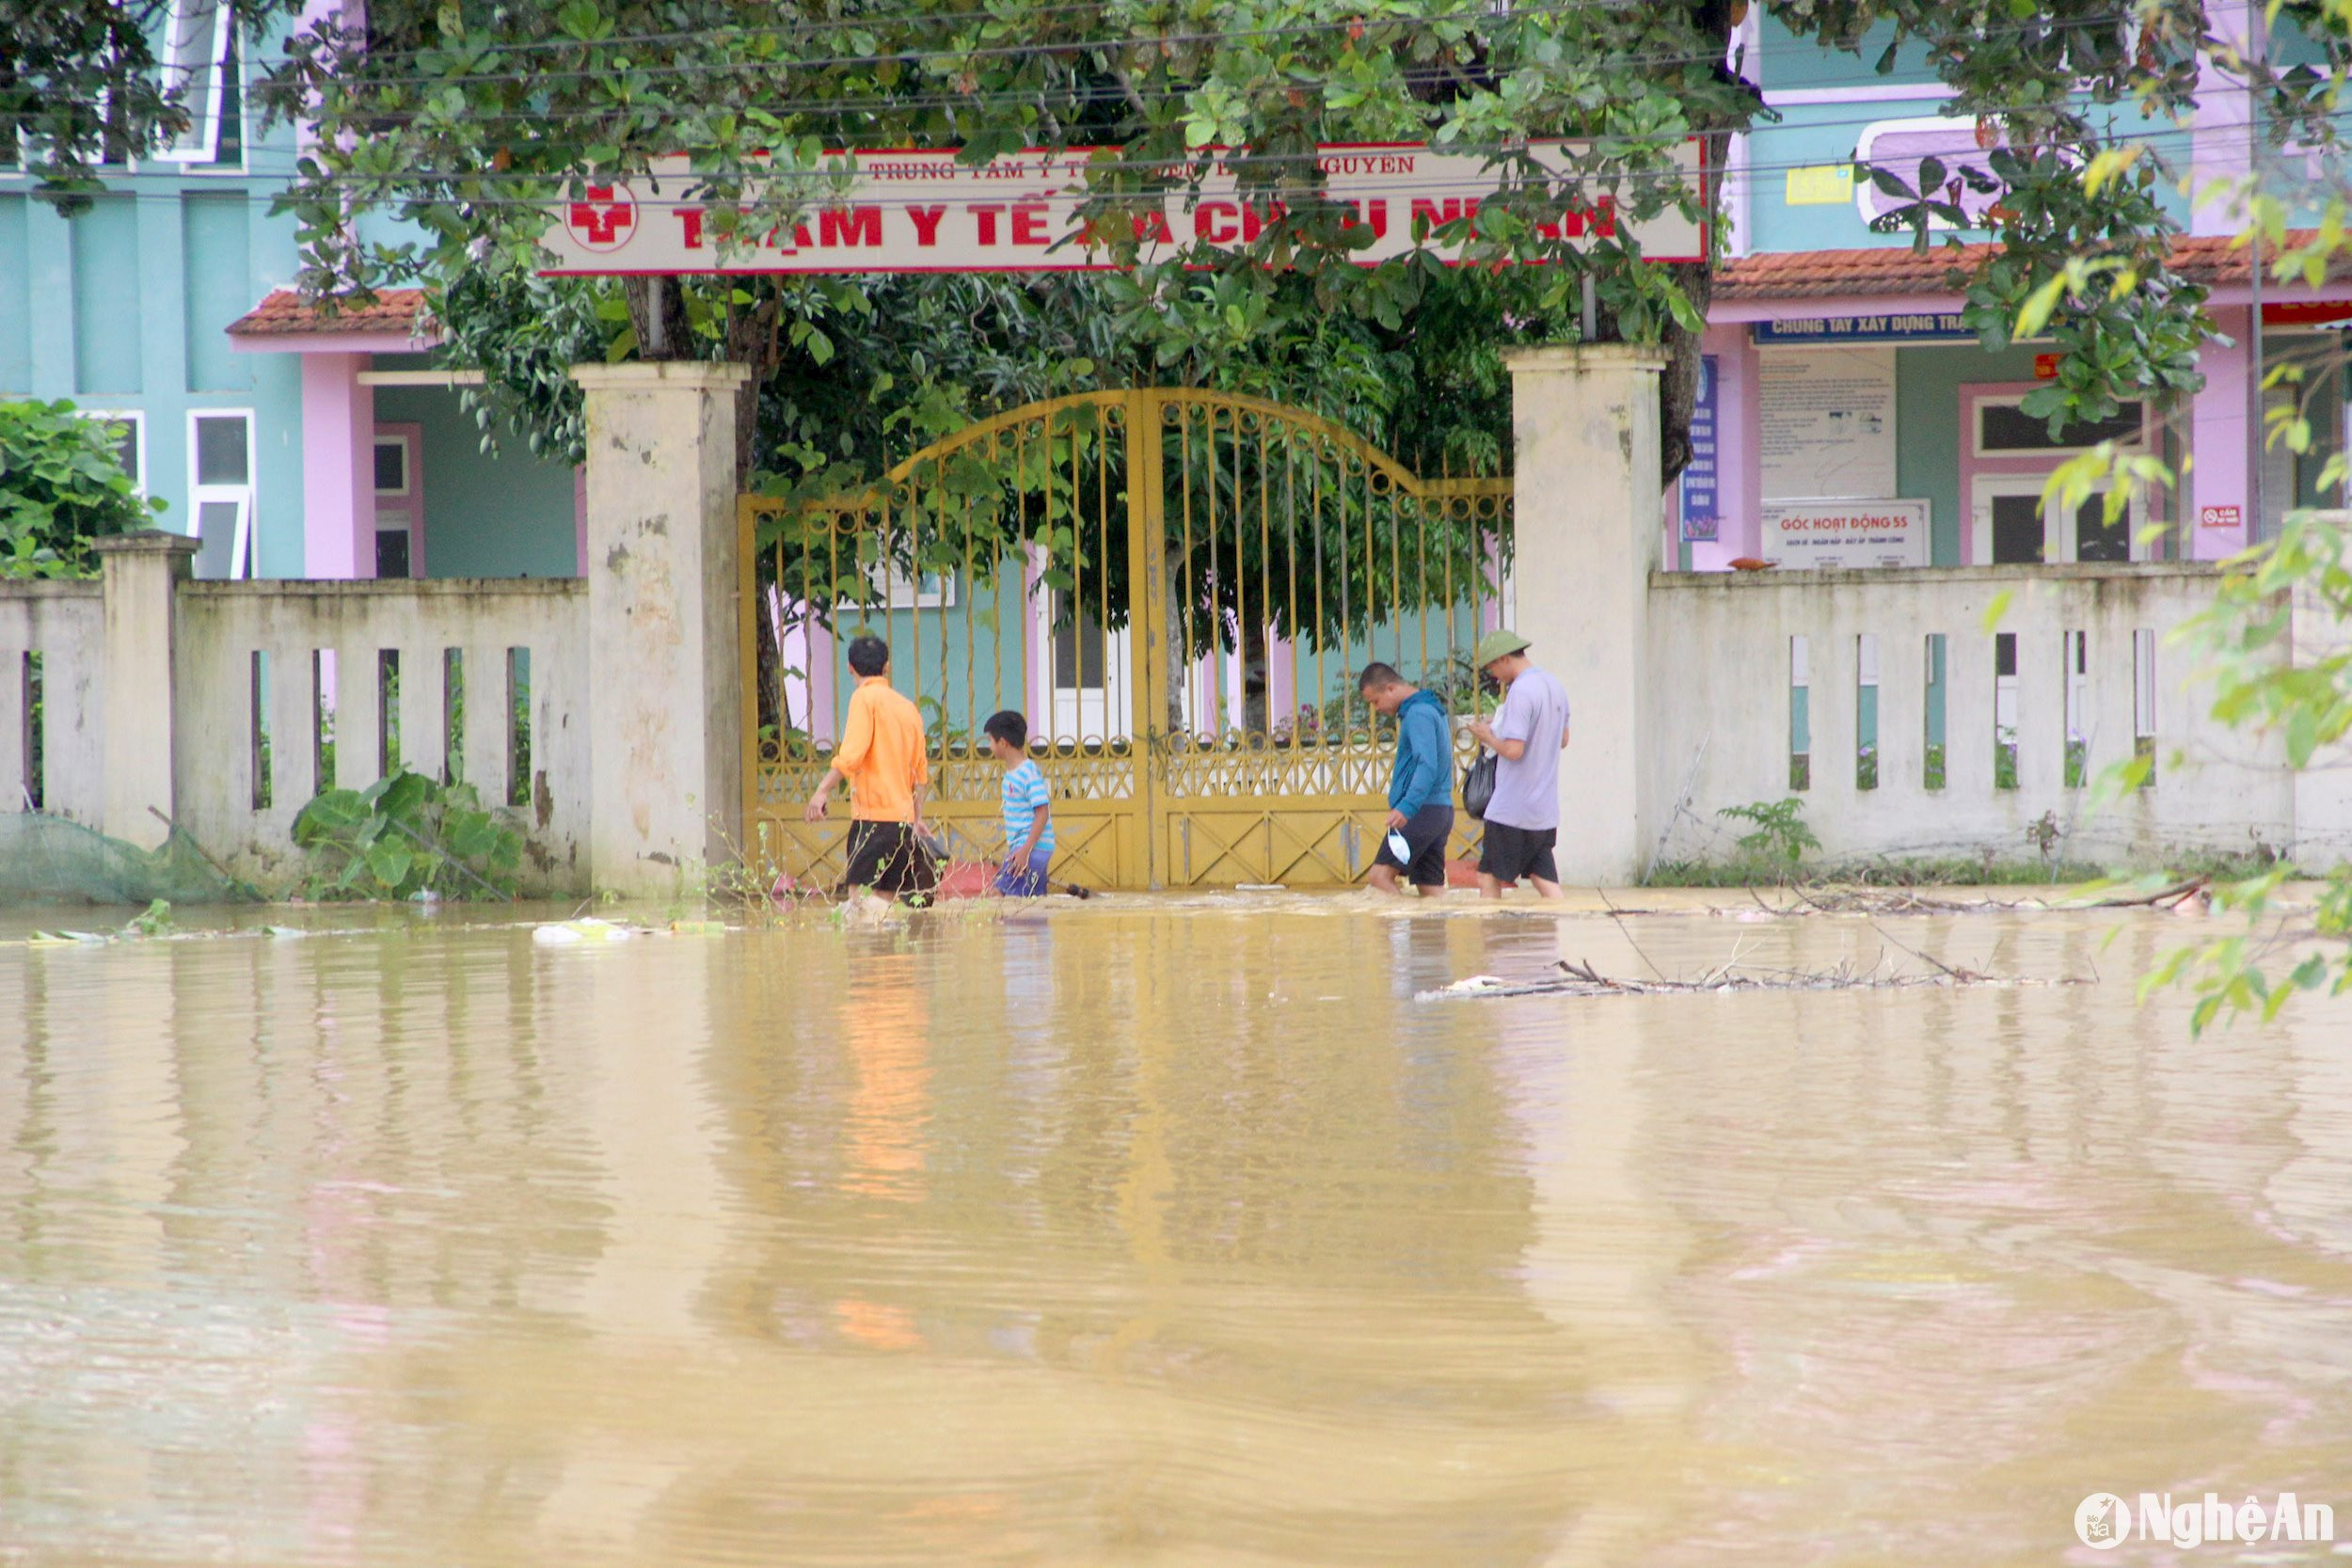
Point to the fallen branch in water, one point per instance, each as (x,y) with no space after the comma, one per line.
(2170,897)
(1581,978)
(1870,901)
(1878,901)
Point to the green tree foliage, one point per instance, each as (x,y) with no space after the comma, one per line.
(61,487)
(2276,644)
(467,120)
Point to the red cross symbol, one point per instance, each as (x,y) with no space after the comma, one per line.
(603,219)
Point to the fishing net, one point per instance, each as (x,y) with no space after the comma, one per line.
(48,860)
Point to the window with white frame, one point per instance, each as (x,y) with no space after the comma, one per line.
(220,490)
(893,588)
(199,48)
(2004,429)
(130,440)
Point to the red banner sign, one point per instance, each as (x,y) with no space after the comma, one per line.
(903,211)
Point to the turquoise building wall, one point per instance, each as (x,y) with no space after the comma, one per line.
(485,516)
(121,307)
(124,308)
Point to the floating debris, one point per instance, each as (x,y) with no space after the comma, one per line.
(67,938)
(570,933)
(1582,979)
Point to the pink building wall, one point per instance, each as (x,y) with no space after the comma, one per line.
(337,466)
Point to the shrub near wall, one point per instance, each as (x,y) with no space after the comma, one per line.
(61,485)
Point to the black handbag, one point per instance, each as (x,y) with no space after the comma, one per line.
(1478,784)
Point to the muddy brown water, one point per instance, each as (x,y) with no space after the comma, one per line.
(1149,1232)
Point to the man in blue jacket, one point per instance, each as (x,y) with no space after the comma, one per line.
(1421,790)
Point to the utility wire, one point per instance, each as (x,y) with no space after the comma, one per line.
(1175,167)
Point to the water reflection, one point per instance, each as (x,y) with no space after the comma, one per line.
(1147,1235)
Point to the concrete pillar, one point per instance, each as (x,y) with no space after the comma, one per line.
(1586,423)
(338,468)
(665,700)
(142,572)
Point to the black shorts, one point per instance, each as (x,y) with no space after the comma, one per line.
(1517,854)
(888,858)
(1425,833)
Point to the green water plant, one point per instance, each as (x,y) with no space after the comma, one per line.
(1780,833)
(405,836)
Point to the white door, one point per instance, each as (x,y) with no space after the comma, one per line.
(2012,525)
(1087,673)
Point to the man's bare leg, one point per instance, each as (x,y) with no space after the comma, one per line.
(1489,886)
(1383,879)
(1544,889)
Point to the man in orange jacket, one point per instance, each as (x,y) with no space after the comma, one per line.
(881,755)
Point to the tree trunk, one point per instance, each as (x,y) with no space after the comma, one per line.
(656,309)
(1679,388)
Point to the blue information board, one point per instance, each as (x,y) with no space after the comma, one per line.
(1702,506)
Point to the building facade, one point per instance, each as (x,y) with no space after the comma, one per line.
(1847,415)
(287,445)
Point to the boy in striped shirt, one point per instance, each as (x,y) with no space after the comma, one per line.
(1028,820)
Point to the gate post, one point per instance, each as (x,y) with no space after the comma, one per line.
(665,701)
(1585,425)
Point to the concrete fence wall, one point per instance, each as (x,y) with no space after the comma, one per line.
(602,711)
(1915,719)
(286,688)
(1986,734)
(50,646)
(226,707)
(1684,694)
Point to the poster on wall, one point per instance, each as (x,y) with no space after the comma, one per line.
(1828,422)
(1702,511)
(1847,534)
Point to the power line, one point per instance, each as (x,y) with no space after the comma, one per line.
(1176,165)
(879,104)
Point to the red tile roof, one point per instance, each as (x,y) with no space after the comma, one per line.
(1899,270)
(286,314)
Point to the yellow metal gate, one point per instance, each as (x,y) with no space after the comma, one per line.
(1176,588)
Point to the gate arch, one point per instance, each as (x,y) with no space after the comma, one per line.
(1176,587)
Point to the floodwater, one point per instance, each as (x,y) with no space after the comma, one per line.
(1152,1232)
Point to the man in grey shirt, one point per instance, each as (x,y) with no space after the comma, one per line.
(1528,736)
